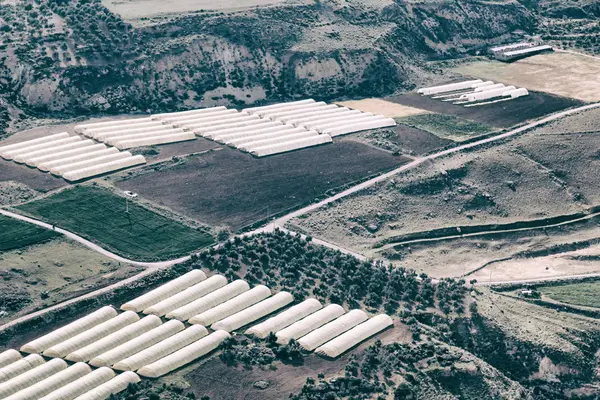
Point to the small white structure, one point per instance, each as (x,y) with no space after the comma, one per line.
(82,385)
(489,94)
(84,173)
(52,383)
(333,329)
(285,319)
(165,291)
(451,87)
(187,296)
(114,386)
(137,344)
(184,356)
(209,301)
(253,313)
(162,349)
(309,323)
(92,335)
(232,306)
(20,366)
(115,339)
(32,377)
(354,336)
(70,330)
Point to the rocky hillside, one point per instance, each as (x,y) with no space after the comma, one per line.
(72,58)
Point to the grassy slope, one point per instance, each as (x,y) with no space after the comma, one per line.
(583,294)
(100,215)
(446,126)
(16,234)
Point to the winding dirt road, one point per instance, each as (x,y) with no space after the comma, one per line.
(279,222)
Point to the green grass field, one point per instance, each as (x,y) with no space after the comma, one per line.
(17,234)
(100,216)
(446,126)
(582,294)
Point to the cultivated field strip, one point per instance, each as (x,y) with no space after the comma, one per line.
(82,359)
(70,157)
(474,92)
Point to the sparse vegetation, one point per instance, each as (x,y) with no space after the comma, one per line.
(446,126)
(17,234)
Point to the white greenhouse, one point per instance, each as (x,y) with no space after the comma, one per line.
(291,145)
(162,349)
(20,366)
(9,356)
(449,87)
(138,344)
(279,134)
(488,87)
(222,134)
(215,122)
(312,119)
(24,158)
(11,154)
(285,318)
(84,155)
(309,323)
(154,140)
(360,126)
(52,383)
(82,385)
(284,138)
(207,130)
(115,339)
(209,301)
(81,127)
(354,336)
(90,162)
(323,126)
(284,109)
(77,175)
(32,377)
(285,115)
(187,296)
(215,116)
(165,291)
(252,132)
(163,130)
(33,142)
(91,335)
(116,385)
(94,133)
(489,94)
(309,114)
(87,150)
(70,330)
(253,313)
(184,356)
(198,111)
(253,110)
(333,329)
(232,306)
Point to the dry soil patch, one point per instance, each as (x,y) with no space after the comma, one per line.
(383,107)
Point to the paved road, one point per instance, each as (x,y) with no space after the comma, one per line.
(279,222)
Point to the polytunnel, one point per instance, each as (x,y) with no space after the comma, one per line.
(187,296)
(9,356)
(284,138)
(20,366)
(89,162)
(50,384)
(70,330)
(448,87)
(24,158)
(164,130)
(114,386)
(159,127)
(87,150)
(286,108)
(285,318)
(333,329)
(189,112)
(270,136)
(82,385)
(11,154)
(232,306)
(310,323)
(276,106)
(162,349)
(94,133)
(137,344)
(312,120)
(362,126)
(32,377)
(285,115)
(253,313)
(111,166)
(27,143)
(167,290)
(92,125)
(154,140)
(91,335)
(354,336)
(215,116)
(185,355)
(209,301)
(291,145)
(115,339)
(48,165)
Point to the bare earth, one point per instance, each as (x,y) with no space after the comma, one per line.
(563,74)
(383,107)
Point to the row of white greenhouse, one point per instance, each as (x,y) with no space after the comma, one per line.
(474,92)
(70,157)
(31,377)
